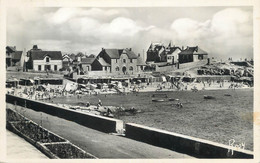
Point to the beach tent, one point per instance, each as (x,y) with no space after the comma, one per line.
(71,87)
(92,86)
(163,79)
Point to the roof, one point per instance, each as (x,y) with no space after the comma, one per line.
(103,62)
(193,50)
(87,60)
(40,55)
(172,49)
(11,48)
(116,53)
(17,55)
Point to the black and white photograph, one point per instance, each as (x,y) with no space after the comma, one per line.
(130,81)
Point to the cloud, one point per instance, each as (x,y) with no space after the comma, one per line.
(229,30)
(89,29)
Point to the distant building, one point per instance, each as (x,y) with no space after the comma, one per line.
(86,63)
(66,61)
(13,57)
(117,61)
(40,60)
(154,52)
(192,54)
(157,52)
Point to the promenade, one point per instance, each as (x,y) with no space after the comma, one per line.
(18,148)
(100,144)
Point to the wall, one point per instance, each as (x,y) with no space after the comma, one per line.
(166,68)
(184,144)
(121,64)
(100,123)
(193,64)
(43,63)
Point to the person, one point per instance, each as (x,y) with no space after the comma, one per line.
(179,105)
(108,111)
(99,102)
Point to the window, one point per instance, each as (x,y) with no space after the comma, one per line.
(116,60)
(131,68)
(39,67)
(55,67)
(131,60)
(105,68)
(47,67)
(124,60)
(47,59)
(117,68)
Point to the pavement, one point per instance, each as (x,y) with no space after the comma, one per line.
(100,144)
(18,148)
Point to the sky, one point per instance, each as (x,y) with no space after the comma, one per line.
(221,31)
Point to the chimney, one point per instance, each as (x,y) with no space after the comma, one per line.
(187,47)
(197,48)
(14,47)
(138,54)
(182,48)
(102,49)
(130,49)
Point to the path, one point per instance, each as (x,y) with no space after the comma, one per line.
(98,143)
(18,148)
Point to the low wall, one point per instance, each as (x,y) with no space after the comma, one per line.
(96,122)
(193,64)
(215,77)
(166,68)
(47,142)
(184,144)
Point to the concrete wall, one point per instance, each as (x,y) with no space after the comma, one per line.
(184,144)
(166,68)
(181,66)
(96,122)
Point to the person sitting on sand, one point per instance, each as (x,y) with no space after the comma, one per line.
(179,105)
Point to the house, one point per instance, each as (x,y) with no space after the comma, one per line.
(171,55)
(192,54)
(66,61)
(117,61)
(13,57)
(155,52)
(40,60)
(86,63)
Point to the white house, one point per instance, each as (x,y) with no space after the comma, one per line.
(40,60)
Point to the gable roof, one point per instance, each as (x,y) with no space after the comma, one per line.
(10,48)
(87,60)
(40,55)
(103,62)
(116,53)
(193,50)
(173,49)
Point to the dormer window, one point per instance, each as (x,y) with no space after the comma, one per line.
(47,59)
